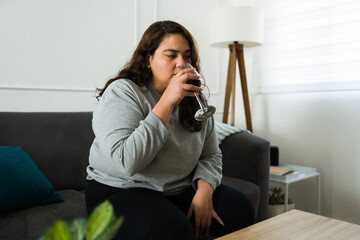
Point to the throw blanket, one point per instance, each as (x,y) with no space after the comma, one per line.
(223,130)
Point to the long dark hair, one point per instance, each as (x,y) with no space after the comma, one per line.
(137,71)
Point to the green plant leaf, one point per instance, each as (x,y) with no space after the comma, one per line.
(276,196)
(77,229)
(99,220)
(111,230)
(58,231)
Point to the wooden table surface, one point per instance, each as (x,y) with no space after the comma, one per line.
(298,225)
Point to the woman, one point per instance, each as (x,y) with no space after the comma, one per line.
(159,167)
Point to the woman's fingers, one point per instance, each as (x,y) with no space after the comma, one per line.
(202,227)
(215,216)
(208,226)
(186,74)
(184,70)
(197,226)
(181,77)
(205,225)
(192,88)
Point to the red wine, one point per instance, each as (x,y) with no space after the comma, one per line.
(195,82)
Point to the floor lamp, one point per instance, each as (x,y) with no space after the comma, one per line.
(236,27)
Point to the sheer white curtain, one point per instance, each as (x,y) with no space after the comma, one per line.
(309,45)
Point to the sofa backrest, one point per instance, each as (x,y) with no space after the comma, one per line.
(58,143)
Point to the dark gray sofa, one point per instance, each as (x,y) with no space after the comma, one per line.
(59,145)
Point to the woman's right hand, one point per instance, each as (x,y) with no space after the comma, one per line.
(176,90)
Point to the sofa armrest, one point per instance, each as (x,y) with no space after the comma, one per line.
(247,157)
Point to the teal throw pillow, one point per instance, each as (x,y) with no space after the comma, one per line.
(22,184)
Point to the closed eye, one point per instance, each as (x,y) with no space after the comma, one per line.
(171,56)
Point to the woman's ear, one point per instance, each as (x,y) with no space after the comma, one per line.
(148,61)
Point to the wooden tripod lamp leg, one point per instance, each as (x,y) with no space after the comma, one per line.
(229,81)
(233,84)
(240,57)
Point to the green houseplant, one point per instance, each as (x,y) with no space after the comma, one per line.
(101,225)
(277,201)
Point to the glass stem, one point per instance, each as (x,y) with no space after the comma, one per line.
(199,101)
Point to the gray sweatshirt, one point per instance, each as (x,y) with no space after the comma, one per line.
(132,148)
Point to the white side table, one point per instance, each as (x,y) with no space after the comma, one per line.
(300,173)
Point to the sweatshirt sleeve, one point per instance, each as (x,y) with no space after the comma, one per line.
(209,167)
(127,133)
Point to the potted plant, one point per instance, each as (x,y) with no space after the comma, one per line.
(101,225)
(277,201)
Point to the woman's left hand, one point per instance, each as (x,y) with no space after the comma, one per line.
(202,208)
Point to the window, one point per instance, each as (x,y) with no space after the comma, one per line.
(309,45)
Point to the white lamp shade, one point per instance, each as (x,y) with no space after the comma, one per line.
(242,24)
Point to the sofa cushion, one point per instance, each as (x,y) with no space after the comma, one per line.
(251,190)
(22,184)
(31,223)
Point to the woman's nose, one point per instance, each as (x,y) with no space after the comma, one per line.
(180,62)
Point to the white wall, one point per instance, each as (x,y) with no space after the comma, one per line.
(308,103)
(317,129)
(53,54)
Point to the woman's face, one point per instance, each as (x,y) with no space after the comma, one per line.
(172,52)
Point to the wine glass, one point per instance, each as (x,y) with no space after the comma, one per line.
(205,110)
